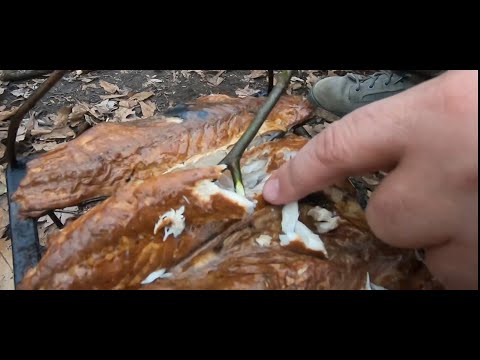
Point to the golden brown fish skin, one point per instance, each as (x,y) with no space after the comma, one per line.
(275,150)
(110,154)
(113,246)
(261,269)
(101,234)
(234,261)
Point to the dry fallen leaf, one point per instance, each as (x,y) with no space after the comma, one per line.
(148,108)
(3,107)
(33,86)
(2,150)
(61,133)
(4,219)
(124,114)
(2,90)
(141,96)
(107,106)
(255,74)
(216,80)
(18,92)
(90,120)
(198,72)
(152,82)
(77,115)
(88,79)
(115,96)
(246,91)
(61,118)
(25,92)
(6,249)
(3,184)
(80,108)
(3,198)
(22,131)
(108,87)
(8,113)
(6,270)
(40,131)
(128,103)
(67,213)
(38,147)
(89,86)
(52,126)
(95,112)
(45,228)
(46,146)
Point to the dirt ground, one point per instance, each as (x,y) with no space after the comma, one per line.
(169,87)
(85,98)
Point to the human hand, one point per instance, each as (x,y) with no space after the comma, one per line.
(427,137)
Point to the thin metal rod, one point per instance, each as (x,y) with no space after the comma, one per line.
(17,118)
(55,219)
(270,81)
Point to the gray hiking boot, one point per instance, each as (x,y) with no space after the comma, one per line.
(343,94)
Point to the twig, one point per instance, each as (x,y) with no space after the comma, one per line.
(16,75)
(232,160)
(16,118)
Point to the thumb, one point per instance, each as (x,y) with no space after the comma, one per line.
(368,139)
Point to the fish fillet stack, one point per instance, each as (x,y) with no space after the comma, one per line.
(172,219)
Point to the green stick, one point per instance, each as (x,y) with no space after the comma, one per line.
(232,160)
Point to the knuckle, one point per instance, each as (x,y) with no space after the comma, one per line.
(331,147)
(385,214)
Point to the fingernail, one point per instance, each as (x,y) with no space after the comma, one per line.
(271,189)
